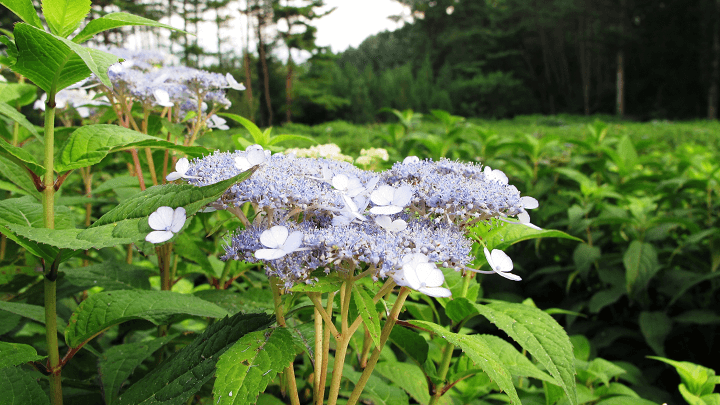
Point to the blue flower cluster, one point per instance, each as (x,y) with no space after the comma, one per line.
(143,77)
(323,214)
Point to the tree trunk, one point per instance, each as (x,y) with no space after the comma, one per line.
(248,84)
(288,87)
(715,72)
(585,61)
(620,75)
(265,70)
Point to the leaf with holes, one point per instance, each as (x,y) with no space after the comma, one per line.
(245,370)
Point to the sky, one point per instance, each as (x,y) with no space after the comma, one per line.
(354,20)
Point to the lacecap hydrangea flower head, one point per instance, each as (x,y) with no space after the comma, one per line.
(314,213)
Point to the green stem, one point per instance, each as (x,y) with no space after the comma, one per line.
(163,254)
(342,344)
(387,328)
(48,199)
(326,351)
(280,316)
(318,352)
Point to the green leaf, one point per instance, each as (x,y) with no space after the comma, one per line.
(49,241)
(459,308)
(376,390)
(193,198)
(501,235)
(19,177)
(34,312)
(324,284)
(27,211)
(25,10)
(64,16)
(20,388)
(366,309)
(175,380)
(245,370)
(186,247)
(516,362)
(115,20)
(625,401)
(14,354)
(655,326)
(256,133)
(584,256)
(539,334)
(54,63)
(282,138)
(118,362)
(110,276)
(103,310)
(10,112)
(581,347)
(698,379)
(407,376)
(90,144)
(252,300)
(411,343)
(20,94)
(480,353)
(641,264)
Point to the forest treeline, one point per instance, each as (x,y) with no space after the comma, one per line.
(643,59)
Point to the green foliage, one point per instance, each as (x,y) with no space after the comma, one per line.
(697,382)
(20,387)
(189,368)
(245,370)
(14,354)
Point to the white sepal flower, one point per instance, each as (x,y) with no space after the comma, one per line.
(181,167)
(384,221)
(348,185)
(166,222)
(495,175)
(421,275)
(501,263)
(528,203)
(162,98)
(252,157)
(279,242)
(218,122)
(233,84)
(411,159)
(349,213)
(389,200)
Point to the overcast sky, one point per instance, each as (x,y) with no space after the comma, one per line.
(354,20)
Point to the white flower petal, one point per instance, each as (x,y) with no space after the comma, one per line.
(161,219)
(159,236)
(383,195)
(269,254)
(402,196)
(173,176)
(524,218)
(383,221)
(242,163)
(438,292)
(529,202)
(274,237)
(340,182)
(411,159)
(386,210)
(255,157)
(178,219)
(293,242)
(429,275)
(501,261)
(182,166)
